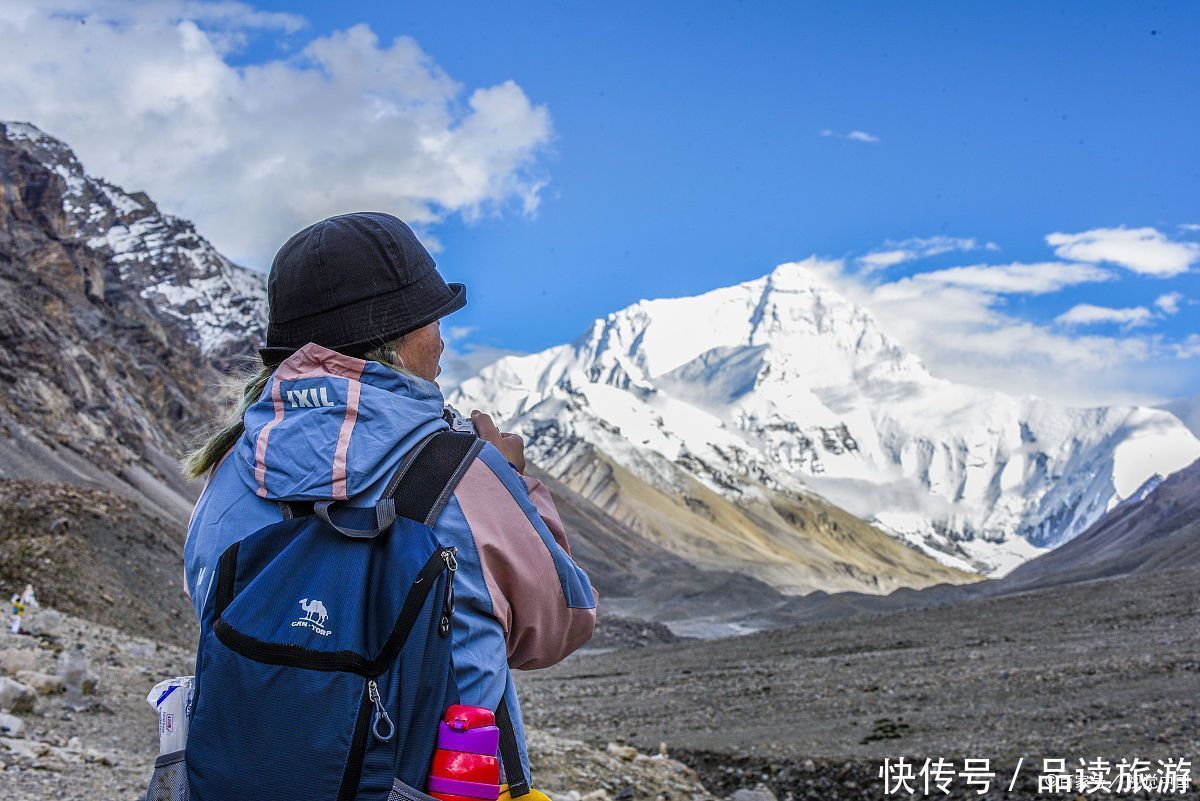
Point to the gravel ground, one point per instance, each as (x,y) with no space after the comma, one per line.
(106,749)
(1104,669)
(1109,669)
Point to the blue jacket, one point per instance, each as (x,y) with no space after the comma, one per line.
(329,426)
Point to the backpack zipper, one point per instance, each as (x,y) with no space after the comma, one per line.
(380,714)
(448,591)
(358,749)
(373,699)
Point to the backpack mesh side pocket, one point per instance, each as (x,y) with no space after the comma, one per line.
(403,792)
(169,782)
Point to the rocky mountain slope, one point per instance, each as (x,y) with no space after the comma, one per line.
(782,385)
(219,307)
(639,578)
(795,542)
(95,554)
(114,321)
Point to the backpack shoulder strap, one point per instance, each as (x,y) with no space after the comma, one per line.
(510,753)
(419,489)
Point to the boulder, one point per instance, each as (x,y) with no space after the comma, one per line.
(13,661)
(25,749)
(626,752)
(759,793)
(42,683)
(15,696)
(11,725)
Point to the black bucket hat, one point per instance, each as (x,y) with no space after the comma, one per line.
(351,283)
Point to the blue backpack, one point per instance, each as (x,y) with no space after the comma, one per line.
(324,662)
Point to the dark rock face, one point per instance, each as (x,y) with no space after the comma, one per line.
(104,377)
(115,323)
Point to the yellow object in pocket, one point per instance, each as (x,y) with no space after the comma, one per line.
(533,795)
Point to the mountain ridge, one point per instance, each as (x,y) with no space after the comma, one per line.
(104,386)
(782,383)
(219,305)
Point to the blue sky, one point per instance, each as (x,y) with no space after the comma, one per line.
(687,146)
(688,155)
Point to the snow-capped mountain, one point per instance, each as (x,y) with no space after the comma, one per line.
(221,305)
(781,384)
(1156,529)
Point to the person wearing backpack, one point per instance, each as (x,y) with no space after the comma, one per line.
(356,566)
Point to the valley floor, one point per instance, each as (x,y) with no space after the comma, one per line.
(1105,669)
(1101,669)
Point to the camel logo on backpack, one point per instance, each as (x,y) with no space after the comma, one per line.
(315,615)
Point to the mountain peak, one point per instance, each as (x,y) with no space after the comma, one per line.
(220,306)
(799,276)
(30,136)
(785,383)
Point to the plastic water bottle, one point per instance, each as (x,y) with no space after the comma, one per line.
(465,767)
(172,699)
(74,675)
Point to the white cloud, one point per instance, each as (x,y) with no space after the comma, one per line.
(460,361)
(1190,227)
(1169,303)
(456,333)
(1189,347)
(853,136)
(150,12)
(1088,314)
(462,358)
(148,96)
(882,259)
(1016,278)
(962,331)
(862,136)
(1128,317)
(893,252)
(1143,250)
